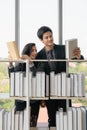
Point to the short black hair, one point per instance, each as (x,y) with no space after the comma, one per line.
(28,49)
(43,30)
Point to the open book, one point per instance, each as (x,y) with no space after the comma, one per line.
(70,45)
(13,50)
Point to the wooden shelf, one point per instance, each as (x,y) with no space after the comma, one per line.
(83,98)
(25,98)
(54,97)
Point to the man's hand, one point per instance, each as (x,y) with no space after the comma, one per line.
(77,53)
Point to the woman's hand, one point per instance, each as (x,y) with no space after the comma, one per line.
(25,57)
(10,59)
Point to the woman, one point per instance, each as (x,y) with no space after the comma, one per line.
(29,52)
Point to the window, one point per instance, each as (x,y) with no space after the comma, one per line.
(75,22)
(34,14)
(7,24)
(7,33)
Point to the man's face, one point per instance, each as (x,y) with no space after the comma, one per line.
(48,39)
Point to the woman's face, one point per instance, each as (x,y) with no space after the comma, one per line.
(33,52)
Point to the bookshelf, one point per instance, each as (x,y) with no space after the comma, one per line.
(27,98)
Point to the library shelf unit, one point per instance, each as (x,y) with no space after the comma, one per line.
(28,97)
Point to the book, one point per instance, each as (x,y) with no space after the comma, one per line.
(38,84)
(59,88)
(42,84)
(21,84)
(70,45)
(57,120)
(52,83)
(30,84)
(13,50)
(47,90)
(65,121)
(81,84)
(2,112)
(33,90)
(74,118)
(72,85)
(21,120)
(13,118)
(26,119)
(25,87)
(6,120)
(63,85)
(79,118)
(12,84)
(69,119)
(68,84)
(9,126)
(56,84)
(17,83)
(83,113)
(61,119)
(16,120)
(86,116)
(75,82)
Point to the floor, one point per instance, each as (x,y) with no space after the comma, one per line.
(43,116)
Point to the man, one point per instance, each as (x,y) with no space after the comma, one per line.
(53,51)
